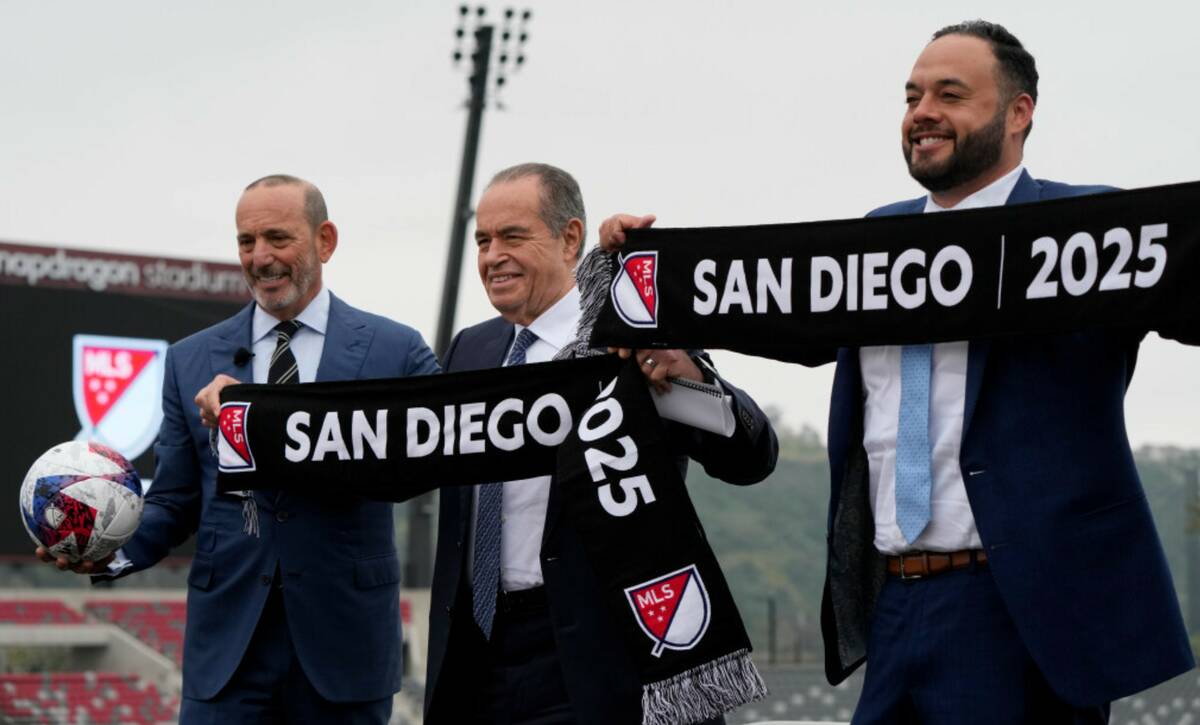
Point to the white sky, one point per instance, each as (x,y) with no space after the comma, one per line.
(132,126)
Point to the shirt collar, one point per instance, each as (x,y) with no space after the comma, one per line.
(314,317)
(994,194)
(556,326)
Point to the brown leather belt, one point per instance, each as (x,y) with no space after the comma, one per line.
(922,564)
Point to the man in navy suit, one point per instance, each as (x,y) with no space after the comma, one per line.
(991,551)
(293,599)
(518,629)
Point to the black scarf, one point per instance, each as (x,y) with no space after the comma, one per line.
(589,420)
(1123,259)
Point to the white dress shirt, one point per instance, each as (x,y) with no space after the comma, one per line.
(307,344)
(951,525)
(523,507)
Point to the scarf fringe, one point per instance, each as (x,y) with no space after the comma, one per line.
(593,277)
(703,692)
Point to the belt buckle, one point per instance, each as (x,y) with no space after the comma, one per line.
(905,576)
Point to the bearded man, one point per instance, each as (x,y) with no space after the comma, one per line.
(293,606)
(991,551)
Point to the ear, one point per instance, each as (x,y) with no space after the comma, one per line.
(1020,114)
(572,239)
(327,239)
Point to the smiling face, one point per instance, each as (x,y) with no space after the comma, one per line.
(525,268)
(280,253)
(959,132)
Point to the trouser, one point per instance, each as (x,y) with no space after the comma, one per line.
(943,651)
(269,686)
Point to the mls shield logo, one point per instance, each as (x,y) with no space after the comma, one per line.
(117,383)
(672,610)
(635,290)
(233,445)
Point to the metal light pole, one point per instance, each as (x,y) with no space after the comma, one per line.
(511,57)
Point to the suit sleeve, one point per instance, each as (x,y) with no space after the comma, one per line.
(421,360)
(748,456)
(172,505)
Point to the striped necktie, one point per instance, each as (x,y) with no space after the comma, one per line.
(485,572)
(283,369)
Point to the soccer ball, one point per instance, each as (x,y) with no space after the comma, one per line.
(81,500)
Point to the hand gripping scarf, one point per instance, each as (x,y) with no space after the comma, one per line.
(592,422)
(1127,259)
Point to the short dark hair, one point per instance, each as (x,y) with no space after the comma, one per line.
(560,202)
(314,202)
(1015,65)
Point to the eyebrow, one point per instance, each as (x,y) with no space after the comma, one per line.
(910,86)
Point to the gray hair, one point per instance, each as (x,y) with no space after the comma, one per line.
(560,202)
(314,202)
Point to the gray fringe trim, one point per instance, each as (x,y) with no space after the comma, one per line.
(703,692)
(593,277)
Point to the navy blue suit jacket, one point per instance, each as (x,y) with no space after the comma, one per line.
(599,675)
(1059,507)
(337,554)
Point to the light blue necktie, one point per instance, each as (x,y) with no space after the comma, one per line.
(485,573)
(913,472)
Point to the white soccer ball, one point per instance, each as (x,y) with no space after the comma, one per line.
(81,500)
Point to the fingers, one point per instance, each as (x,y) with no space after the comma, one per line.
(612,229)
(83,566)
(208,400)
(656,367)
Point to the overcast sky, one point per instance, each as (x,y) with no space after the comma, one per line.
(132,126)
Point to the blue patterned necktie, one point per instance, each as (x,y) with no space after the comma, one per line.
(913,473)
(485,573)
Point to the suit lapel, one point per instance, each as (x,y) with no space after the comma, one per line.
(1027,190)
(491,355)
(347,338)
(230,335)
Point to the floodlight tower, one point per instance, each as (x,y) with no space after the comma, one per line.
(510,58)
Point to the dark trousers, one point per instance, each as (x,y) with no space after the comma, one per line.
(515,678)
(269,686)
(943,651)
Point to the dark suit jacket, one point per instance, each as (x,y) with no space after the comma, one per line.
(598,673)
(337,553)
(1056,498)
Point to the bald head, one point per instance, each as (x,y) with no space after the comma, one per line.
(315,211)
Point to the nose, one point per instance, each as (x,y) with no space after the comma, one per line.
(926,110)
(491,254)
(263,254)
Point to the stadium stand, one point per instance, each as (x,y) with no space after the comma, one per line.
(83,697)
(158,623)
(38,611)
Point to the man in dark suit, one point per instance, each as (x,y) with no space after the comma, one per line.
(991,551)
(293,599)
(518,632)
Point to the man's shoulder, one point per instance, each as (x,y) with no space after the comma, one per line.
(486,330)
(389,328)
(224,329)
(1058,190)
(908,206)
